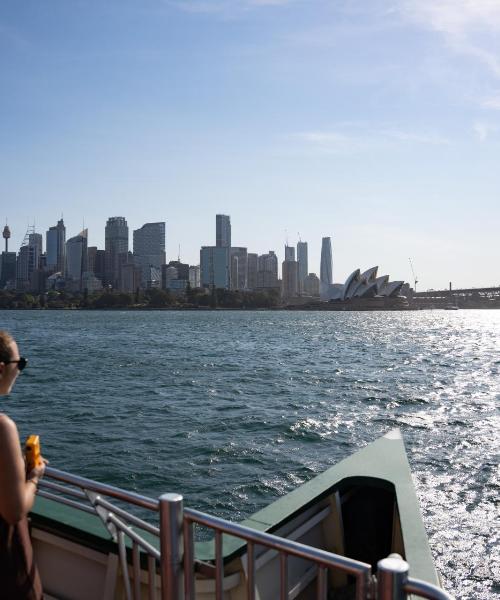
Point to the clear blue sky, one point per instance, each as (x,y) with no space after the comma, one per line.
(376,122)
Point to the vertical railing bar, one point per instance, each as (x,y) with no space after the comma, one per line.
(136,562)
(250,571)
(322,588)
(122,550)
(283,576)
(171,519)
(189,592)
(219,566)
(152,595)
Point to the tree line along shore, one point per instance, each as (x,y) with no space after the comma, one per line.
(141,299)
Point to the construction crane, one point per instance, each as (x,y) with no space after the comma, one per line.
(415,280)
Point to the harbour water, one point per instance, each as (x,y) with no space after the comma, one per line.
(233,409)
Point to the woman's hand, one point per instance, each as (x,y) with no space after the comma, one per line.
(37,473)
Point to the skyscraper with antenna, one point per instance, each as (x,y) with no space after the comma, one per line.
(326,278)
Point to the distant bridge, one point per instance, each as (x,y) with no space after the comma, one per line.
(465,293)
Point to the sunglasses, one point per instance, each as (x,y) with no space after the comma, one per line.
(21,363)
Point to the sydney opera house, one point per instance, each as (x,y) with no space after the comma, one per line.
(365,290)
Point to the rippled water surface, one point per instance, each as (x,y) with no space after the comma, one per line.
(234,409)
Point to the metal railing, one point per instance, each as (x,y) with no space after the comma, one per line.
(87,496)
(176,559)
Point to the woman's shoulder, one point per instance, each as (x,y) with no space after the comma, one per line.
(6,423)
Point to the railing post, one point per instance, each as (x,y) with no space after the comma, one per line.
(171,517)
(392,574)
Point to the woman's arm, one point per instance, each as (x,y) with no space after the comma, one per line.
(17,494)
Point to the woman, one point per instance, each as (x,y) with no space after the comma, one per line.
(19,579)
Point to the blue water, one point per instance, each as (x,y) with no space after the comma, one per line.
(234,409)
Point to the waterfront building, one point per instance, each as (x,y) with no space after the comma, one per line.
(311,285)
(214,267)
(99,264)
(169,273)
(252,261)
(76,260)
(325,274)
(302,259)
(290,277)
(223,231)
(267,271)
(91,258)
(91,283)
(28,258)
(194,276)
(7,270)
(55,239)
(116,244)
(366,285)
(129,274)
(239,268)
(182,269)
(289,252)
(149,249)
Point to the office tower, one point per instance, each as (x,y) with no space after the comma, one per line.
(28,258)
(169,273)
(325,275)
(116,244)
(252,261)
(214,267)
(239,268)
(290,276)
(289,252)
(182,269)
(223,231)
(91,258)
(267,271)
(149,249)
(130,274)
(194,276)
(56,247)
(76,260)
(303,264)
(99,264)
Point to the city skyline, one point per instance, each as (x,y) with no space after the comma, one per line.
(377,125)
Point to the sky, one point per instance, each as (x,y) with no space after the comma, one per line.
(375,122)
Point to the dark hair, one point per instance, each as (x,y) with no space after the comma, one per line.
(5,349)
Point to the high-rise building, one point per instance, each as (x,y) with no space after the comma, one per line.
(194,276)
(214,267)
(130,275)
(267,271)
(289,252)
(56,247)
(76,260)
(223,231)
(239,268)
(290,276)
(303,264)
(28,258)
(149,248)
(252,261)
(325,274)
(116,244)
(182,269)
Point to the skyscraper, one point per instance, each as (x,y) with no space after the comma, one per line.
(303,264)
(116,244)
(325,273)
(223,231)
(76,260)
(252,261)
(214,267)
(267,271)
(239,268)
(149,248)
(289,252)
(28,258)
(56,247)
